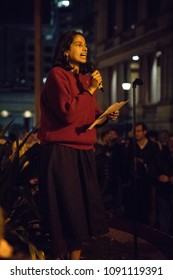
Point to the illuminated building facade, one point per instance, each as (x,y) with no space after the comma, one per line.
(134,39)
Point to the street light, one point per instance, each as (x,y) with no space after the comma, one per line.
(4,113)
(136,82)
(27,118)
(126,87)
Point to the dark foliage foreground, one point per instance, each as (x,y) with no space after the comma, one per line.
(21,218)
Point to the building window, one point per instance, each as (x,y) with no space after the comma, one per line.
(48,49)
(130,14)
(166,5)
(153,7)
(111,22)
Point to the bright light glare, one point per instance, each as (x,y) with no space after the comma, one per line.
(4,113)
(27,114)
(22,81)
(126,86)
(135,57)
(44,80)
(63,3)
(159,53)
(49,37)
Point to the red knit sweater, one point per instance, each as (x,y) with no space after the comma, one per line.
(67,109)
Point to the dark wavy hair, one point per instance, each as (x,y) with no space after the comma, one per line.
(144,126)
(63,44)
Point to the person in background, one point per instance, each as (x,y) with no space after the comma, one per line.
(70,199)
(140,166)
(164,190)
(153,135)
(164,137)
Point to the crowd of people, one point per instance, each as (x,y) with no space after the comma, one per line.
(134,180)
(136,175)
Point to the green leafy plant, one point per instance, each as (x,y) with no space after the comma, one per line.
(21,226)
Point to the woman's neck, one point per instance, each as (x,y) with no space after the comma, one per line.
(75,69)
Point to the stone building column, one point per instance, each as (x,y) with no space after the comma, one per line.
(100,8)
(144,76)
(166,74)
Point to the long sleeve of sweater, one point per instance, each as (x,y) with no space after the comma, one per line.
(67,96)
(67,110)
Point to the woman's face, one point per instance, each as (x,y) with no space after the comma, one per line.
(77,53)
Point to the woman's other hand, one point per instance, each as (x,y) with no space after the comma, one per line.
(113,116)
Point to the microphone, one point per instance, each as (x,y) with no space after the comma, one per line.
(91,68)
(137,82)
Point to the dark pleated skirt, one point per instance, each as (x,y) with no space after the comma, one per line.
(70,199)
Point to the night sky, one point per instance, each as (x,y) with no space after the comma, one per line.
(21,11)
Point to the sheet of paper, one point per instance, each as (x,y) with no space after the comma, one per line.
(103,117)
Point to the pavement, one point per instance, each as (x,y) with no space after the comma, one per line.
(125,240)
(119,245)
(123,243)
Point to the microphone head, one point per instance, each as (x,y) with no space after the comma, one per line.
(90,66)
(137,82)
